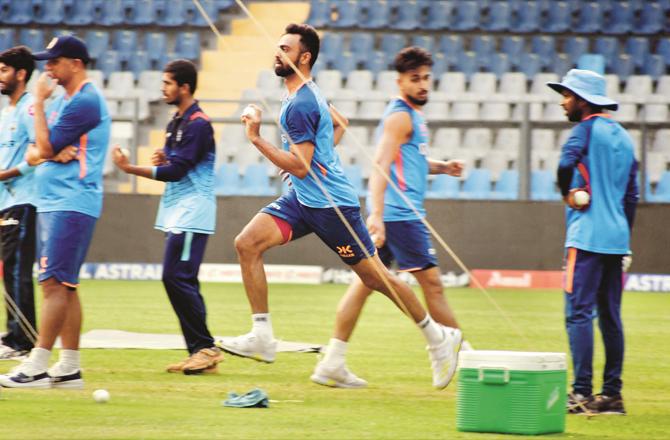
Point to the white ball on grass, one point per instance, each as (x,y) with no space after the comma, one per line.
(101,396)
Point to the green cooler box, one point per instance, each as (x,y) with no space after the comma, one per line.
(511,392)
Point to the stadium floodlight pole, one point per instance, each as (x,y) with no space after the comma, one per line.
(25,325)
(409,203)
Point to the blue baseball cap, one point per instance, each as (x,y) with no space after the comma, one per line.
(588,85)
(67,46)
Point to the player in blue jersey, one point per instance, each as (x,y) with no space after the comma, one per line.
(399,233)
(17,205)
(187,212)
(308,154)
(69,201)
(598,158)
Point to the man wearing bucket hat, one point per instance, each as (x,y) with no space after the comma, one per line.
(598,160)
(69,202)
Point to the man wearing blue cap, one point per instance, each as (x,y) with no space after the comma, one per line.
(69,201)
(597,176)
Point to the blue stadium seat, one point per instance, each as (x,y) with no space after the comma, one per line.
(624,66)
(188,45)
(542,185)
(225,5)
(82,14)
(256,181)
(592,61)
(440,65)
(97,43)
(319,13)
(227,180)
(354,175)
(443,186)
(638,49)
(528,18)
(408,14)
(468,63)
(438,15)
(345,14)
(662,193)
(654,66)
(139,62)
(111,13)
(195,18)
(108,63)
(559,15)
(346,63)
(530,64)
(477,185)
(499,17)
(50,12)
(20,12)
(651,19)
(575,47)
(483,45)
(155,43)
(467,16)
(374,14)
(376,62)
(590,18)
(361,44)
(507,186)
(545,47)
(561,64)
(391,45)
(331,46)
(139,12)
(663,49)
(33,38)
(513,46)
(499,64)
(125,44)
(609,48)
(452,47)
(171,13)
(6,38)
(621,19)
(425,41)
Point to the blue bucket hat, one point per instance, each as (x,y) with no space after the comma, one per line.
(588,85)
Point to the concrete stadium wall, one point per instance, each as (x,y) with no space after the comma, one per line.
(484,234)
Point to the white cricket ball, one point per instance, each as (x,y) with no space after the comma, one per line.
(249,111)
(125,152)
(582,198)
(101,396)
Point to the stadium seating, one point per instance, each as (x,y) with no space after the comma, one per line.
(477,185)
(542,185)
(443,187)
(507,186)
(227,181)
(438,15)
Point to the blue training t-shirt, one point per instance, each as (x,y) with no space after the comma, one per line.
(606,149)
(17,131)
(409,170)
(305,118)
(82,121)
(188,203)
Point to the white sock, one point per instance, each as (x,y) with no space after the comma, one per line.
(335,352)
(431,330)
(262,326)
(69,360)
(39,359)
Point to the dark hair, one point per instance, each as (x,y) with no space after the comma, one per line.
(411,58)
(183,72)
(19,57)
(309,39)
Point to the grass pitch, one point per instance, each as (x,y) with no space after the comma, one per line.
(387,350)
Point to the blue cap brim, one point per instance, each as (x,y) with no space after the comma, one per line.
(44,55)
(599,100)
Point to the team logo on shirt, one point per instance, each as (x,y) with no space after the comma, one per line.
(345,251)
(31,110)
(179,133)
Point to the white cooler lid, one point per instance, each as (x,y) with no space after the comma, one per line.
(512,360)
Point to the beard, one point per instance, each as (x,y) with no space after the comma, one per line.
(9,88)
(417,101)
(575,115)
(284,69)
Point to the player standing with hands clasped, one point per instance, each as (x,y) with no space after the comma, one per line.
(597,159)
(308,154)
(187,211)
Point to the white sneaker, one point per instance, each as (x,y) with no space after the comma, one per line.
(24,375)
(444,357)
(337,377)
(64,379)
(11,354)
(250,346)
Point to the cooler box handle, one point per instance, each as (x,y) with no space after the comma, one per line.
(494,375)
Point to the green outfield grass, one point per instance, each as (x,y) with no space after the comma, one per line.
(387,350)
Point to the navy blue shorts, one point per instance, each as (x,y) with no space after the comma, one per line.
(326,224)
(63,238)
(408,243)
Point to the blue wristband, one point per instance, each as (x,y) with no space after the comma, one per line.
(23,168)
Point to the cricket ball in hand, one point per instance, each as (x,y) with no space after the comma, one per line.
(125,152)
(582,198)
(249,111)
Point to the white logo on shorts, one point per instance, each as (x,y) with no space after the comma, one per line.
(275,206)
